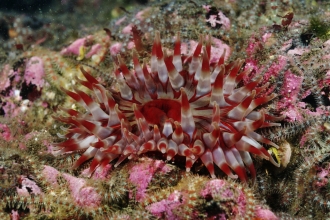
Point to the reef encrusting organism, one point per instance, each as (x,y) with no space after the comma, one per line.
(181,105)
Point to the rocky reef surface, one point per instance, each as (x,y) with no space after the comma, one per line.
(78,139)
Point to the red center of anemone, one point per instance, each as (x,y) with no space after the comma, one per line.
(157,111)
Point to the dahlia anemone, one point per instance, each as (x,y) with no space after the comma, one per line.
(178,105)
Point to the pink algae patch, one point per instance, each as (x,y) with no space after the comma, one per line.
(5,132)
(84,196)
(141,175)
(290,91)
(94,50)
(217,49)
(216,189)
(34,72)
(265,214)
(50,174)
(115,48)
(5,75)
(28,184)
(101,173)
(167,206)
(73,49)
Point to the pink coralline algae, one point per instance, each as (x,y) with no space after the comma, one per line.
(84,196)
(275,68)
(220,189)
(34,72)
(290,91)
(127,29)
(323,176)
(141,175)
(51,175)
(5,132)
(252,63)
(94,50)
(28,187)
(265,214)
(141,14)
(298,51)
(99,174)
(326,47)
(220,199)
(14,215)
(218,48)
(5,75)
(115,48)
(166,206)
(11,109)
(218,18)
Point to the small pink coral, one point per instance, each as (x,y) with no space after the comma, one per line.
(34,72)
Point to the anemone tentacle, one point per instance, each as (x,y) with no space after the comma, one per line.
(187,107)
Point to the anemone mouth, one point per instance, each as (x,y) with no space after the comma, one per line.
(156,112)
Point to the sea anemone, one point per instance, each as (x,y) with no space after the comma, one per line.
(177,105)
